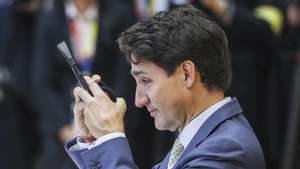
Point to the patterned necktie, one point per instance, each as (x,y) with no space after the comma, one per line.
(176,152)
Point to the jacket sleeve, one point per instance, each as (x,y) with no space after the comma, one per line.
(112,154)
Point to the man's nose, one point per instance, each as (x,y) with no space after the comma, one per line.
(141,100)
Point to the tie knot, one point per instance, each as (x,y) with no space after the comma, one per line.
(176,152)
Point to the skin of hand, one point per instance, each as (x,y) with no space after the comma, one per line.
(97,115)
(81,129)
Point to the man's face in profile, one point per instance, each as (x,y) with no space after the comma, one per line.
(161,94)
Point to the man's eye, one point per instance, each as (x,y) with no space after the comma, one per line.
(145,81)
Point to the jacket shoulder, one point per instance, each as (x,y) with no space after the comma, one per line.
(231,145)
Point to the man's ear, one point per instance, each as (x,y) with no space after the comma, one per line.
(189,71)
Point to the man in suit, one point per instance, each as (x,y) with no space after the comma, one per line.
(181,63)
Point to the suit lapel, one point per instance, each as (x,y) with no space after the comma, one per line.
(227,111)
(164,163)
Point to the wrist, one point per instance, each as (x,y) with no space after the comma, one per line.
(87,139)
(107,138)
(101,134)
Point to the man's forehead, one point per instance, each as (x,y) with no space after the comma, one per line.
(138,69)
(146,68)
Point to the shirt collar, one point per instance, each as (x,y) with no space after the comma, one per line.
(72,12)
(190,130)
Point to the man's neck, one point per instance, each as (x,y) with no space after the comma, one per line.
(200,102)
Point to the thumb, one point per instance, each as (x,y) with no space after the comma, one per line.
(121,104)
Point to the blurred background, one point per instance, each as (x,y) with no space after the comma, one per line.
(36,83)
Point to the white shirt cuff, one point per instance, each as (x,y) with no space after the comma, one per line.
(81,145)
(105,138)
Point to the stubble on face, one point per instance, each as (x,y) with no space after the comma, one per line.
(165,94)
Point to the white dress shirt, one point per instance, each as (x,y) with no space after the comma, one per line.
(190,130)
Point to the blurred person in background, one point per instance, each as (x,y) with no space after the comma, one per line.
(291,45)
(290,40)
(18,121)
(89,27)
(294,13)
(254,28)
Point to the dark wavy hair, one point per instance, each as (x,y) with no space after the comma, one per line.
(169,38)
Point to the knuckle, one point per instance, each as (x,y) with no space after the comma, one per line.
(96,77)
(105,117)
(76,90)
(90,102)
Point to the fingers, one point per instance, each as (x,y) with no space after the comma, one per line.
(79,107)
(89,120)
(121,104)
(96,90)
(76,96)
(96,78)
(97,115)
(80,126)
(82,94)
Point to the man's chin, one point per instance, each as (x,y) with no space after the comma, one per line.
(163,127)
(159,126)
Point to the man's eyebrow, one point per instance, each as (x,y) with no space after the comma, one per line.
(137,72)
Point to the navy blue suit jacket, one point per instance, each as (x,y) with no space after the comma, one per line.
(224,141)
